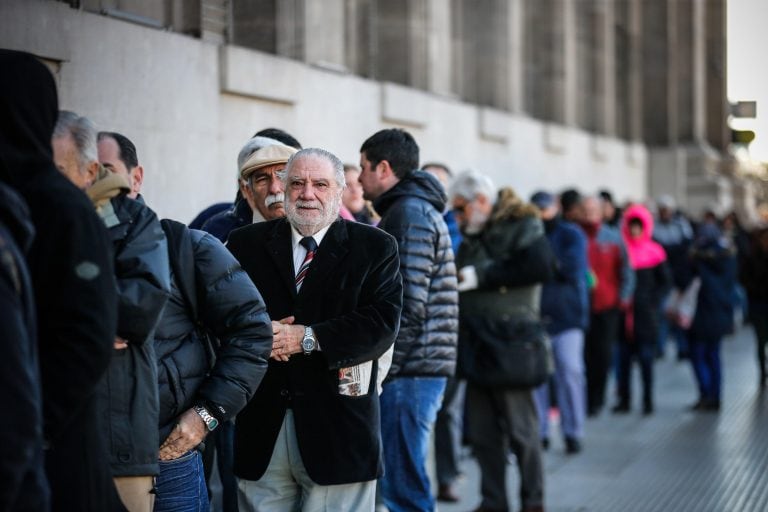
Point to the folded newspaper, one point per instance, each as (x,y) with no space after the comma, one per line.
(355,380)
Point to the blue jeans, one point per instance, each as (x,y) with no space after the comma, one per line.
(180,486)
(408,410)
(705,358)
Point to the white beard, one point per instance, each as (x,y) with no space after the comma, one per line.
(476,222)
(310,226)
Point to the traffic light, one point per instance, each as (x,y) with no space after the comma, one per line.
(743,137)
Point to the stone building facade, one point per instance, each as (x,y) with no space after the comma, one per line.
(627,95)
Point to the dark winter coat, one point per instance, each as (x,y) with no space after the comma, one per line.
(231,309)
(411,211)
(653,279)
(129,389)
(223,223)
(565,299)
(23,485)
(71,265)
(714,262)
(512,259)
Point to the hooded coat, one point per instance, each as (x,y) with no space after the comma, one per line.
(22,480)
(70,262)
(411,211)
(652,276)
(714,262)
(129,390)
(512,258)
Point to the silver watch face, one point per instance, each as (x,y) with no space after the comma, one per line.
(308,344)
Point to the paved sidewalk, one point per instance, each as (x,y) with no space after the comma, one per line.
(675,460)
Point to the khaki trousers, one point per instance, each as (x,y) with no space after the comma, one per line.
(286,486)
(136,492)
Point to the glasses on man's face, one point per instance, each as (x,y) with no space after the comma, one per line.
(461,208)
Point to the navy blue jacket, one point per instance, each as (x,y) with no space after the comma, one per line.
(716,267)
(565,299)
(223,223)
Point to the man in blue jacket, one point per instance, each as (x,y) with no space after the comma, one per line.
(564,311)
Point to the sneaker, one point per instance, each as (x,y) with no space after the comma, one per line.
(446,493)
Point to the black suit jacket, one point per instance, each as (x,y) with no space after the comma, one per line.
(351,297)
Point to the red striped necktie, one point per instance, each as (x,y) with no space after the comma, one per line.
(311,246)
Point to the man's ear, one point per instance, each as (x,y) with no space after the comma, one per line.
(91,173)
(385,169)
(137,179)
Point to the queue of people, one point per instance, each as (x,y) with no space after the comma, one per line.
(353,309)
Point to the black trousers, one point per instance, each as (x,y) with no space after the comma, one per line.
(598,355)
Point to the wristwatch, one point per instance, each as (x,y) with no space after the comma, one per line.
(207,417)
(308,343)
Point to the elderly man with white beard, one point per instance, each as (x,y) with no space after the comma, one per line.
(310,437)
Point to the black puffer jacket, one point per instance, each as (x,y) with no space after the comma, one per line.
(411,211)
(231,308)
(129,391)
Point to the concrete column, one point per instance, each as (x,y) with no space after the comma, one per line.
(516,53)
(401,47)
(545,60)
(324,33)
(483,76)
(571,61)
(439,62)
(608,121)
(658,112)
(635,71)
(289,29)
(683,79)
(698,56)
(627,70)
(717,132)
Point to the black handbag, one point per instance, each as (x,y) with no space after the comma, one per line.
(504,353)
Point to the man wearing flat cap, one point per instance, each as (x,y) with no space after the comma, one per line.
(259,183)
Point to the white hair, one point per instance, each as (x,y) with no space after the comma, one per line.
(83,133)
(338,166)
(468,184)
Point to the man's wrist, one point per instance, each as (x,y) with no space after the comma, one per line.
(211,422)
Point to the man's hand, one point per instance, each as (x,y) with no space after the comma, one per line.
(120,343)
(188,433)
(286,339)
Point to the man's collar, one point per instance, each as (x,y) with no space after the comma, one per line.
(296,236)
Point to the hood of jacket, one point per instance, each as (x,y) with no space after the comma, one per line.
(643,251)
(415,184)
(14,214)
(509,206)
(29,108)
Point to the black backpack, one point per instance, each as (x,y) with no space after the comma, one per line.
(181,255)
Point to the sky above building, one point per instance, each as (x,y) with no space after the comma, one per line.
(747,69)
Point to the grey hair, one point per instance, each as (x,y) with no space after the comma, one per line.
(470,183)
(253,145)
(83,133)
(338,166)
